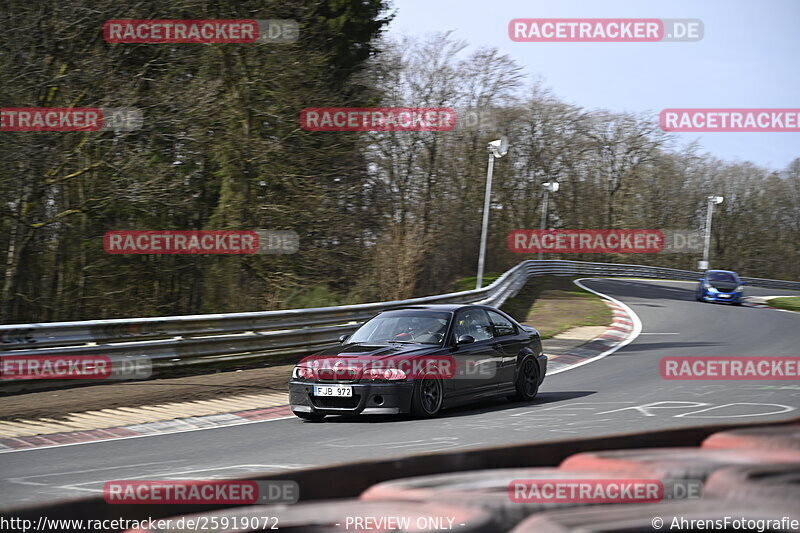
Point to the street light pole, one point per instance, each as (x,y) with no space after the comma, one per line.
(497,149)
(548,187)
(712,201)
(485,227)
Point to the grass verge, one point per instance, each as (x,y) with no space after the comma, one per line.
(551,304)
(790,303)
(554,304)
(468,284)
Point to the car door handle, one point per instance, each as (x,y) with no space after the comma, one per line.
(497,346)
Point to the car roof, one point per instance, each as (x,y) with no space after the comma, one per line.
(726,271)
(438,307)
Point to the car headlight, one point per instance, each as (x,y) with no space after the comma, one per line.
(303,372)
(389,374)
(708,286)
(740,288)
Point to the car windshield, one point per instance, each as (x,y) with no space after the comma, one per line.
(721,276)
(412,327)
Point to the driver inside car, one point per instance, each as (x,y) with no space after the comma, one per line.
(428,331)
(470,324)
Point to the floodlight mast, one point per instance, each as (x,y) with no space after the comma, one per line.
(712,201)
(497,149)
(550,186)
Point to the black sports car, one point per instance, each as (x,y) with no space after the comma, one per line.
(419,360)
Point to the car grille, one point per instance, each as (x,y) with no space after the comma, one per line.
(337,403)
(724,290)
(327,375)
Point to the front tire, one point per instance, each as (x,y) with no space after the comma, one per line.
(427,397)
(527,383)
(313,417)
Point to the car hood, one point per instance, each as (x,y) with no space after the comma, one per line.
(350,351)
(725,285)
(350,360)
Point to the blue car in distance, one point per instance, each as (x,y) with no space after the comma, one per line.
(720,286)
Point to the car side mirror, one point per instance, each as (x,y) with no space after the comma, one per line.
(343,338)
(700,279)
(465,339)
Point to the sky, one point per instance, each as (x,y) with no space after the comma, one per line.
(749,57)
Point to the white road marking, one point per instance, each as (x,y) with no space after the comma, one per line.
(181,475)
(645,409)
(786,409)
(637,328)
(87,471)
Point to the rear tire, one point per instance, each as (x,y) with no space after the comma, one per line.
(313,417)
(527,383)
(427,398)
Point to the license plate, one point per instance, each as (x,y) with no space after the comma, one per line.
(724,295)
(339,390)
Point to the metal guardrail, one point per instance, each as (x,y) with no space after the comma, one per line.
(199,339)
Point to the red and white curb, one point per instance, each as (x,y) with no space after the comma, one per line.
(761,301)
(624,328)
(178,425)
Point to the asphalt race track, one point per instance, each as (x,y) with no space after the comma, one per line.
(619,393)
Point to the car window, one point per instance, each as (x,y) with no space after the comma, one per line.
(721,276)
(474,322)
(502,325)
(420,327)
